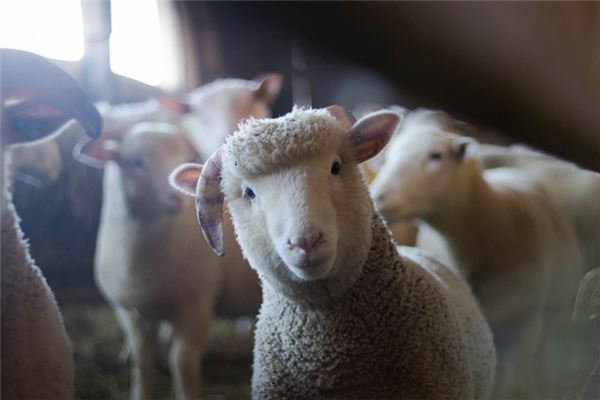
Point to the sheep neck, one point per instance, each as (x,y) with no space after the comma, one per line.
(470,222)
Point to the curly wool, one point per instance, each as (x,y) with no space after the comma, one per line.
(397,333)
(262,145)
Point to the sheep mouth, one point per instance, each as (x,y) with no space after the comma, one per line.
(311,266)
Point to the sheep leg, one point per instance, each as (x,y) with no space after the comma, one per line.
(189,336)
(141,338)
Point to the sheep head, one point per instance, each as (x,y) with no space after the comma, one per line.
(213,111)
(145,155)
(298,203)
(423,168)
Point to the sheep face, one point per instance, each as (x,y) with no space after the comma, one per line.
(421,172)
(300,209)
(308,219)
(145,155)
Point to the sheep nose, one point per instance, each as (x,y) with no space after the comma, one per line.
(305,243)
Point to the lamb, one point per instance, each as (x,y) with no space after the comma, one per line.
(574,190)
(344,314)
(38,98)
(517,250)
(148,264)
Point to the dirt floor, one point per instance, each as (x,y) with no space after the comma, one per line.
(101,373)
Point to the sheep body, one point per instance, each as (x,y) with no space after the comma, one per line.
(361,320)
(36,353)
(574,190)
(36,361)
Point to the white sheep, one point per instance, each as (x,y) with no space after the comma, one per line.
(344,315)
(38,98)
(148,264)
(517,250)
(575,191)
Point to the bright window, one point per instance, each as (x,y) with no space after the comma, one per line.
(51,28)
(136,46)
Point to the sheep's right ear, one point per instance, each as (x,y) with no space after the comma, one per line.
(96,153)
(269,86)
(185,178)
(370,135)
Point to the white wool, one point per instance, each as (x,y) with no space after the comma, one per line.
(37,362)
(369,323)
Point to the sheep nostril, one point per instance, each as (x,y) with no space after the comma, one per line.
(305,243)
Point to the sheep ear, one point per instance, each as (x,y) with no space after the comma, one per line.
(269,86)
(96,153)
(461,148)
(185,178)
(342,115)
(370,135)
(174,106)
(31,120)
(209,202)
(43,97)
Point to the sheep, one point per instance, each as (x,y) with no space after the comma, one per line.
(207,115)
(574,190)
(37,99)
(148,264)
(345,314)
(517,250)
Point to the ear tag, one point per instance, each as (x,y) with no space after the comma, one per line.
(356,138)
(25,127)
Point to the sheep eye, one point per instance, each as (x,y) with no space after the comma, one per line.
(435,155)
(335,168)
(249,193)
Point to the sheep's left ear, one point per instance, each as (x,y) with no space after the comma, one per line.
(461,148)
(269,86)
(185,178)
(370,135)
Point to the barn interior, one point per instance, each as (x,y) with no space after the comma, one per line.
(520,72)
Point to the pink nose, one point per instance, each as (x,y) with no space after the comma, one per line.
(305,243)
